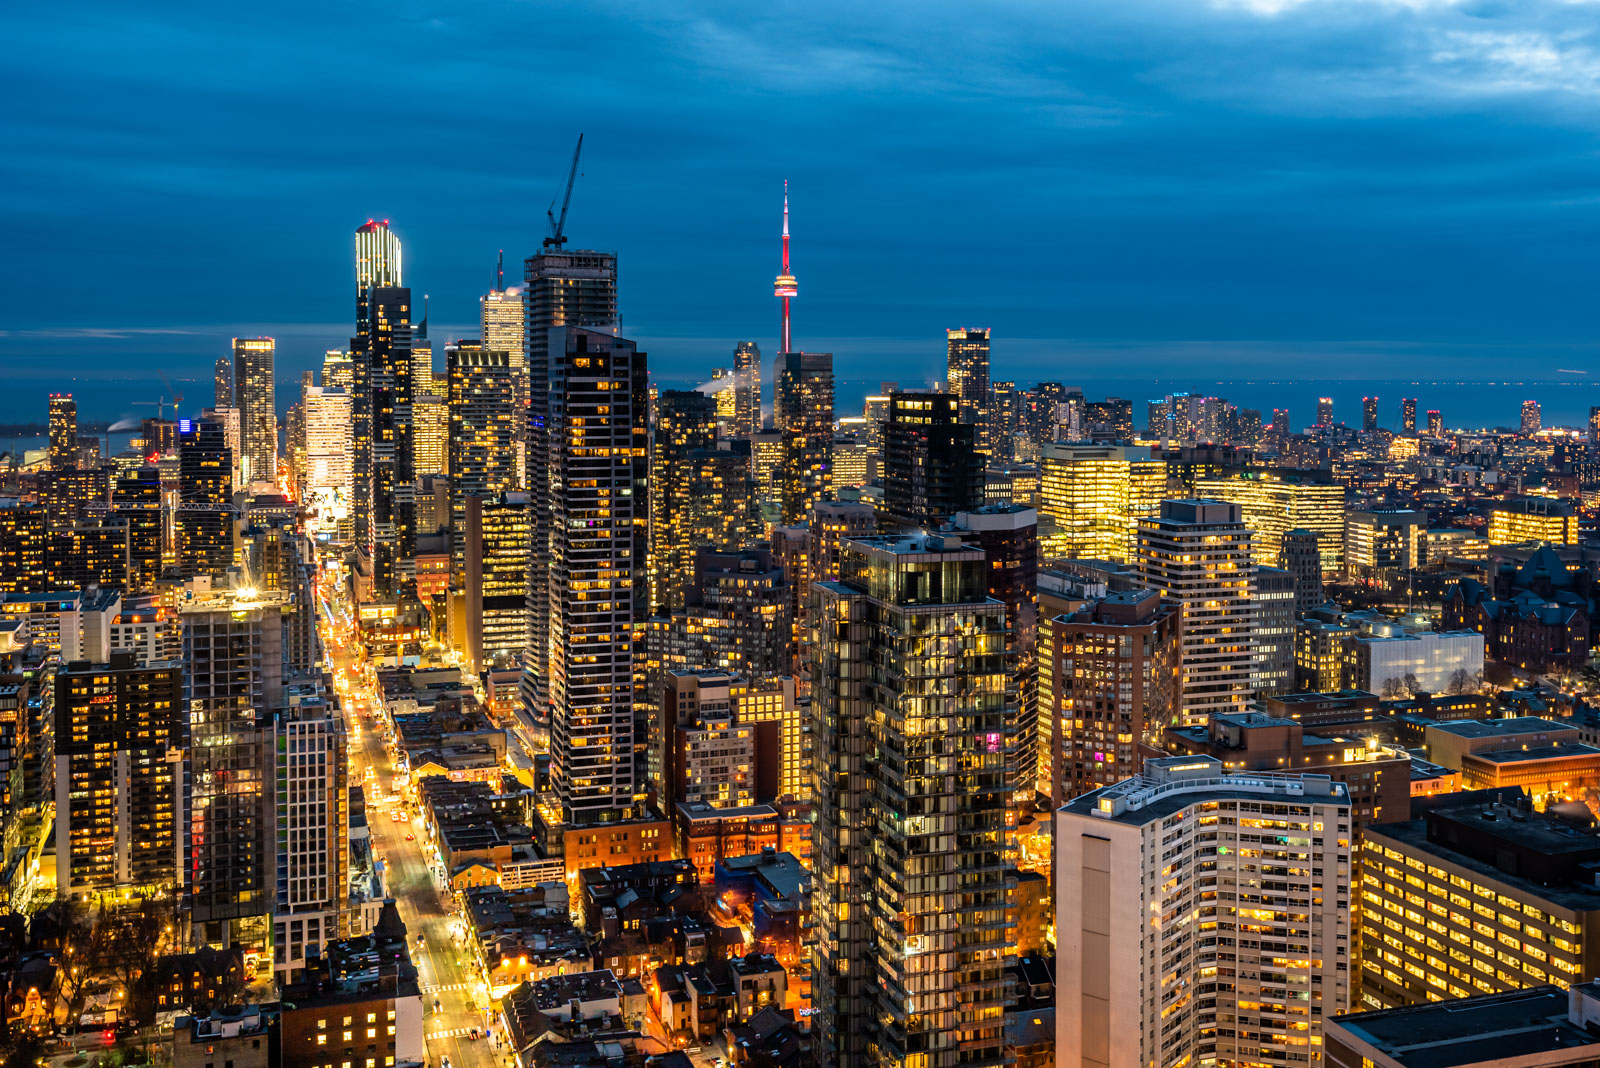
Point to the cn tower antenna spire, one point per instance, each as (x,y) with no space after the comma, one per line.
(785,285)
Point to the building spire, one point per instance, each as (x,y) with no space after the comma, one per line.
(785,286)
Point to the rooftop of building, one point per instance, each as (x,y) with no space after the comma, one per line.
(1497,728)
(1173,783)
(1508,1028)
(1572,751)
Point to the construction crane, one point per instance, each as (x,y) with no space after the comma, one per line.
(557,238)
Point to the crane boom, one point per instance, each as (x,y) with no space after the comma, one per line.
(557,238)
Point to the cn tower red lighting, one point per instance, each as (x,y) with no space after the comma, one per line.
(784,286)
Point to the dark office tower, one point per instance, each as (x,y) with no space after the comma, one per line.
(1302,558)
(1280,423)
(908,729)
(1005,419)
(563,288)
(205,512)
(233,659)
(1008,534)
(1435,423)
(1108,420)
(255,395)
(967,363)
(1247,428)
(222,382)
(24,535)
(386,360)
(685,423)
(598,438)
(119,740)
(1324,411)
(747,390)
(803,408)
(1408,415)
(63,450)
(1594,424)
(483,456)
(931,466)
(1369,413)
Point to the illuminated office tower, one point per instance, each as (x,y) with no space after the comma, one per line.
(1324,411)
(504,316)
(596,566)
(1369,414)
(804,416)
(120,731)
(222,382)
(136,501)
(1005,419)
(1273,505)
(1382,543)
(562,288)
(255,395)
(1095,494)
(205,511)
(310,758)
(1302,558)
(384,384)
(908,730)
(482,461)
(228,419)
(378,266)
(328,486)
(931,464)
(1530,417)
(430,414)
(1435,423)
(967,369)
(1533,519)
(724,398)
(338,371)
(685,423)
(1594,424)
(1408,415)
(63,444)
(494,536)
(1108,684)
(1197,553)
(1239,961)
(421,359)
(747,390)
(1274,631)
(234,660)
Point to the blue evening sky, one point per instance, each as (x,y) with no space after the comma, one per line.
(1138,189)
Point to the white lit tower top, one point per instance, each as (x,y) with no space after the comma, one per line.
(377,255)
(785,286)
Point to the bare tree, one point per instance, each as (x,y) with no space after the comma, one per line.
(1460,681)
(1411,684)
(1392,688)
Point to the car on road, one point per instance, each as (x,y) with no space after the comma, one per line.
(410,837)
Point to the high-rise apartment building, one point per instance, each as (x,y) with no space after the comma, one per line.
(1109,682)
(1531,421)
(504,315)
(311,829)
(136,501)
(374,353)
(431,432)
(1523,519)
(909,739)
(1273,631)
(120,732)
(1594,424)
(1435,423)
(24,537)
(222,382)
(63,441)
(1324,411)
(597,466)
(205,511)
(338,370)
(1202,917)
(685,423)
(931,464)
(746,390)
(967,369)
(482,460)
(803,412)
(494,536)
(576,288)
(384,368)
(1408,415)
(1197,553)
(1302,558)
(255,395)
(1096,494)
(1369,414)
(1273,504)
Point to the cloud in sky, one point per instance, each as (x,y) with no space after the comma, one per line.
(1158,177)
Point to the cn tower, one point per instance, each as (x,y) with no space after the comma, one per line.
(785,285)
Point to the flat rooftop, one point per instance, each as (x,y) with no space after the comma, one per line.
(1490,1029)
(1543,836)
(1496,728)
(1538,752)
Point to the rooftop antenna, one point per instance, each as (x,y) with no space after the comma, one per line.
(557,238)
(785,286)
